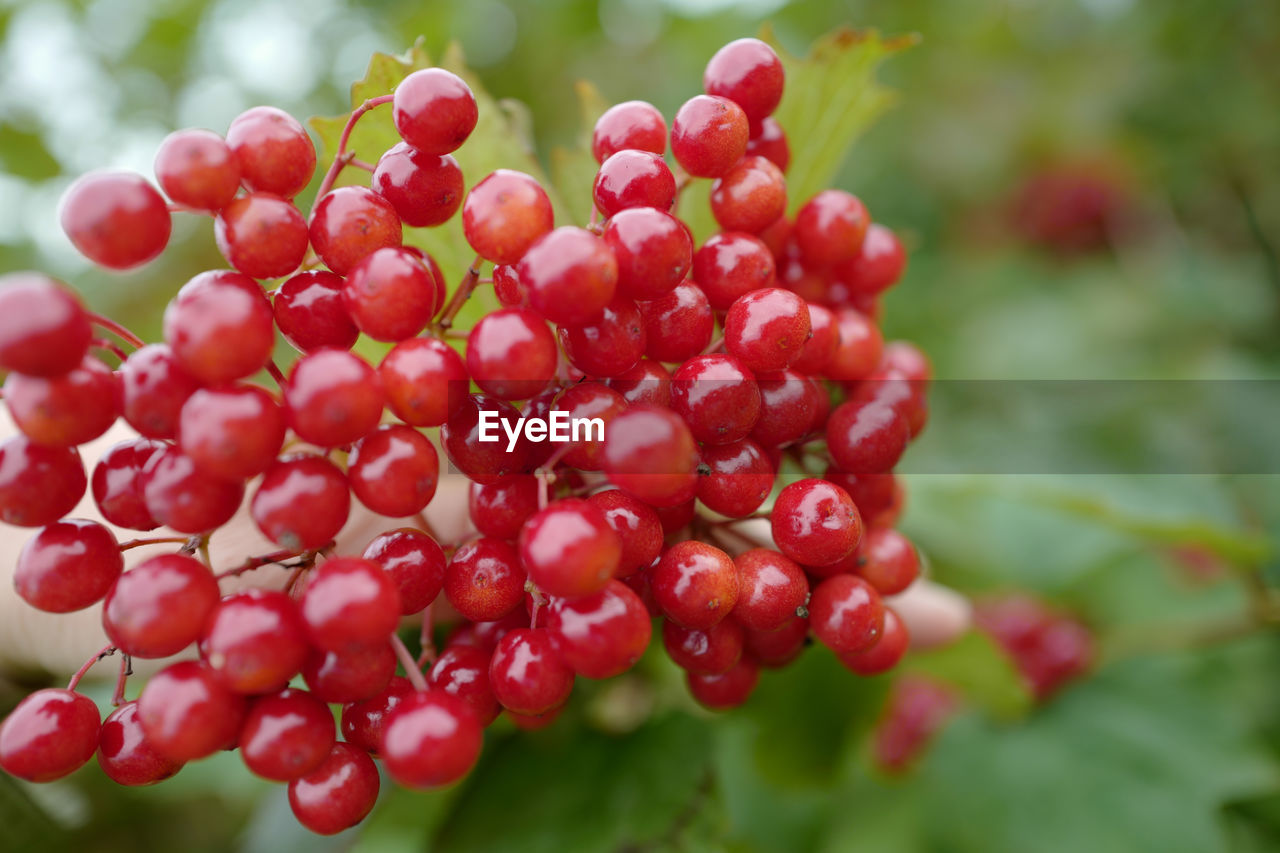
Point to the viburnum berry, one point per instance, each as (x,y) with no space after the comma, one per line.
(866,437)
(188,713)
(38,485)
(349,601)
(648,384)
(414,561)
(830,228)
(425,189)
(877,266)
(254,641)
(631,124)
(482,461)
(637,526)
(631,178)
(338,794)
(695,584)
(769,140)
(526,674)
(394,470)
(333,397)
(50,734)
(73,408)
(815,522)
(749,197)
(116,219)
(511,354)
(726,690)
(125,755)
(350,223)
(749,73)
(651,454)
(273,150)
(484,580)
(767,329)
(772,588)
(430,739)
(824,338)
(363,720)
(858,349)
(709,651)
(717,396)
(181,496)
(569,550)
(44,328)
(153,389)
(709,135)
(730,265)
(779,647)
(500,509)
(600,635)
(390,294)
(160,606)
(736,478)
(353,674)
(67,566)
(653,249)
(301,502)
(197,169)
(210,310)
(609,345)
(424,380)
(888,560)
(434,110)
(286,735)
(117,483)
(261,235)
(884,654)
(678,324)
(789,402)
(463,671)
(571,275)
(234,432)
(846,614)
(505,214)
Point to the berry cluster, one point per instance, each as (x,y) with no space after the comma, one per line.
(577,545)
(1048,648)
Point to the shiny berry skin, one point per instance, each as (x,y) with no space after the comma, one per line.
(637,526)
(889,561)
(815,522)
(301,502)
(38,485)
(349,224)
(116,219)
(333,398)
(117,484)
(830,228)
(788,404)
(601,635)
(650,453)
(350,601)
(414,561)
(526,674)
(362,721)
(779,647)
(678,325)
(181,496)
(482,461)
(67,566)
(739,479)
(210,310)
(676,518)
(571,275)
(846,614)
(484,580)
(351,675)
(434,110)
(709,135)
(877,266)
(874,494)
(859,346)
(769,140)
(153,389)
(233,432)
(338,794)
(884,654)
(507,287)
(160,606)
(197,169)
(425,381)
(430,739)
(632,178)
(569,550)
(124,754)
(310,312)
(749,73)
(188,713)
(44,329)
(866,436)
(609,345)
(286,735)
(394,470)
(511,354)
(749,197)
(727,690)
(631,124)
(500,509)
(255,641)
(486,635)
(60,411)
(717,396)
(653,250)
(390,295)
(273,150)
(425,189)
(705,652)
(767,329)
(906,360)
(730,265)
(261,235)
(505,214)
(50,734)
(695,584)
(648,384)
(773,587)
(588,401)
(463,671)
(824,338)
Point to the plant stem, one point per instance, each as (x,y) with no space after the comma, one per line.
(116,329)
(107,651)
(411,670)
(157,540)
(126,670)
(342,158)
(461,295)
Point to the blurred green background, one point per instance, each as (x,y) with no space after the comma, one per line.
(1089,189)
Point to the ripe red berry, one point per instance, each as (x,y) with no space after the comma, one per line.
(483,461)
(391,294)
(463,671)
(653,249)
(737,479)
(846,614)
(153,389)
(310,312)
(262,235)
(885,652)
(815,522)
(44,329)
(117,483)
(210,310)
(630,124)
(830,228)
(727,690)
(859,346)
(188,713)
(434,110)
(773,587)
(484,580)
(637,526)
(67,566)
(695,584)
(505,214)
(116,219)
(255,641)
(301,502)
(730,265)
(160,606)
(38,485)
(712,651)
(767,329)
(59,411)
(233,432)
(570,274)
(823,340)
(338,794)
(350,223)
(511,354)
(601,635)
(414,561)
(779,647)
(709,135)
(286,735)
(717,396)
(648,383)
(569,550)
(430,739)
(394,470)
(789,403)
(500,509)
(333,398)
(651,454)
(273,150)
(677,325)
(633,178)
(363,721)
(183,497)
(50,734)
(197,169)
(888,561)
(866,436)
(769,140)
(353,674)
(609,345)
(748,72)
(425,381)
(877,265)
(526,674)
(425,189)
(350,601)
(124,753)
(749,197)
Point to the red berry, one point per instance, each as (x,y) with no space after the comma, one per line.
(601,635)
(815,522)
(717,396)
(67,566)
(262,235)
(739,478)
(425,381)
(117,483)
(630,124)
(727,690)
(286,735)
(273,150)
(906,360)
(38,485)
(788,405)
(430,739)
(570,274)
(301,502)
(730,265)
(609,345)
(706,652)
(500,509)
(425,189)
(363,721)
(677,325)
(637,526)
(779,647)
(767,329)
(333,398)
(463,671)
(197,169)
(830,228)
(586,402)
(394,470)
(255,641)
(749,197)
(188,713)
(884,653)
(889,561)
(210,310)
(153,389)
(866,437)
(353,674)
(414,561)
(695,584)
(160,606)
(505,214)
(338,794)
(483,461)
(350,601)
(859,349)
(824,338)
(846,614)
(233,432)
(116,219)
(769,140)
(50,734)
(633,178)
(709,135)
(310,313)
(653,249)
(877,265)
(569,550)
(44,329)
(748,72)
(391,294)
(773,588)
(350,223)
(59,411)
(526,674)
(511,354)
(484,580)
(183,497)
(648,383)
(434,110)
(651,454)
(124,753)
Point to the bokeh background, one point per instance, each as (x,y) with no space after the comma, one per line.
(1090,189)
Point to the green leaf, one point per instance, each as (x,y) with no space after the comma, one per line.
(983,673)
(573,169)
(584,791)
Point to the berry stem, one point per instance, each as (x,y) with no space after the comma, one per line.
(107,651)
(714,346)
(539,602)
(428,655)
(111,347)
(258,562)
(411,670)
(178,208)
(155,540)
(275,373)
(116,329)
(461,295)
(126,670)
(361,164)
(343,158)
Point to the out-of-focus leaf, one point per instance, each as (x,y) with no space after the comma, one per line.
(983,673)
(404,819)
(573,169)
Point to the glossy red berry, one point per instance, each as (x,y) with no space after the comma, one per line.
(483,461)
(633,178)
(333,398)
(44,329)
(630,124)
(181,496)
(789,404)
(824,338)
(651,454)
(286,735)
(888,561)
(846,614)
(430,739)
(434,110)
(394,470)
(749,73)
(310,312)
(188,713)
(653,249)
(425,189)
(736,478)
(500,509)
(353,674)
(255,641)
(859,346)
(730,265)
(867,436)
(338,794)
(884,654)
(424,380)
(711,651)
(197,169)
(273,150)
(391,294)
(767,329)
(233,432)
(717,396)
(727,690)
(815,522)
(571,275)
(153,389)
(877,266)
(773,588)
(779,647)
(125,755)
(830,228)
(695,584)
(117,483)
(511,354)
(569,550)
(301,502)
(677,325)
(749,197)
(59,411)
(261,235)
(709,135)
(637,526)
(160,606)
(526,674)
(67,566)
(601,635)
(350,223)
(414,561)
(505,214)
(769,140)
(463,671)
(210,310)
(116,219)
(484,580)
(648,384)
(350,601)
(38,485)
(50,734)
(609,345)
(363,720)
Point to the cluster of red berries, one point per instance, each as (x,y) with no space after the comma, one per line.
(579,544)
(1049,649)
